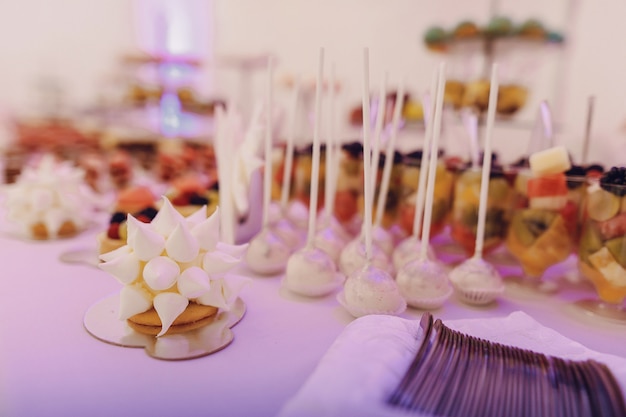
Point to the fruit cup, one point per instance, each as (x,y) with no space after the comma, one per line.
(544,227)
(602,248)
(349,183)
(465,209)
(442,198)
(303,162)
(394,191)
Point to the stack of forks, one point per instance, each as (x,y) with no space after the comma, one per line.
(454,374)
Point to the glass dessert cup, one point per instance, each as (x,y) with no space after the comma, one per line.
(602,250)
(303,162)
(464,218)
(545,223)
(349,186)
(442,197)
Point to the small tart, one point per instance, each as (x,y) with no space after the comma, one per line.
(195,316)
(107,244)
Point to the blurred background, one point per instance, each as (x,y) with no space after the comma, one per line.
(71,56)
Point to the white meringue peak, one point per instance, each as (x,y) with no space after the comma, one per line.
(169,306)
(160,273)
(146,242)
(181,246)
(134,300)
(196,217)
(167,218)
(193,282)
(124,268)
(109,256)
(208,231)
(217,263)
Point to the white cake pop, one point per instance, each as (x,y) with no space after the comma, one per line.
(371,290)
(353,256)
(408,250)
(424,284)
(267,253)
(332,238)
(312,272)
(476,281)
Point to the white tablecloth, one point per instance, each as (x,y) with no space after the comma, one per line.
(50,366)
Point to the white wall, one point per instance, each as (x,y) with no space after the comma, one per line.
(79,43)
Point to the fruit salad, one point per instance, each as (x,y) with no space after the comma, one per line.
(393,192)
(465,209)
(442,198)
(349,182)
(303,161)
(602,248)
(544,225)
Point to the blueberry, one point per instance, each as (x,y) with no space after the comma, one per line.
(117,217)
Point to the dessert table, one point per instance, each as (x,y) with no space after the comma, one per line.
(51,366)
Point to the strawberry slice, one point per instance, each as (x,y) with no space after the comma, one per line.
(113,231)
(547,186)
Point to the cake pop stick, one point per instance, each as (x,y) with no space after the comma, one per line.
(330,151)
(484,183)
(310,270)
(389,151)
(316,152)
(267,174)
(423,282)
(293,122)
(590,105)
(222,155)
(546,118)
(470,121)
(367,168)
(432,166)
(378,129)
(420,196)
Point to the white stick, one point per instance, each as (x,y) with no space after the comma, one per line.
(546,118)
(293,122)
(330,151)
(222,151)
(389,152)
(587,138)
(315,169)
(378,129)
(267,174)
(484,183)
(334,169)
(428,105)
(432,166)
(470,120)
(367,167)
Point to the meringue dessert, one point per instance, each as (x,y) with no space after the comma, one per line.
(424,284)
(312,272)
(50,200)
(267,253)
(477,281)
(174,272)
(371,290)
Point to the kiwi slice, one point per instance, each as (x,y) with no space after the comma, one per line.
(529,224)
(617,247)
(602,205)
(590,242)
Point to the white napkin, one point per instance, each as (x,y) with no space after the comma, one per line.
(367,361)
